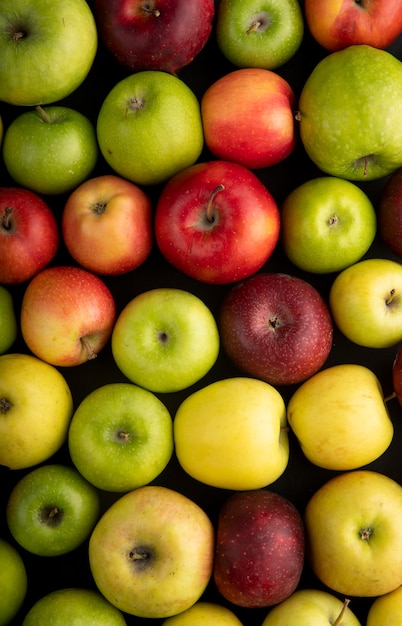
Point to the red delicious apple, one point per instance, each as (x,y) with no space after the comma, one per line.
(397,375)
(29,235)
(248,117)
(155,35)
(216,222)
(67,315)
(260,549)
(389,213)
(276,327)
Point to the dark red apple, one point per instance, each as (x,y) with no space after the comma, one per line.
(397,375)
(389,213)
(276,327)
(260,549)
(155,34)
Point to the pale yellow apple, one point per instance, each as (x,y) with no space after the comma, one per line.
(36,407)
(386,610)
(233,434)
(311,607)
(340,418)
(204,614)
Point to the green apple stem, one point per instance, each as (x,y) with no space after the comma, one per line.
(217,189)
(342,613)
(43,114)
(6,218)
(148,9)
(5,406)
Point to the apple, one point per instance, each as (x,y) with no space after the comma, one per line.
(47,51)
(325,415)
(327,224)
(366,304)
(276,327)
(341,23)
(107,225)
(259,549)
(52,510)
(157,35)
(13,582)
(165,340)
(397,375)
(255,34)
(151,553)
(84,607)
(353,533)
(67,315)
(386,609)
(341,113)
(232,434)
(120,437)
(202,614)
(36,407)
(216,222)
(149,127)
(248,117)
(57,140)
(8,320)
(29,234)
(390,213)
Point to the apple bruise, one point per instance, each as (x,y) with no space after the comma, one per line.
(259,23)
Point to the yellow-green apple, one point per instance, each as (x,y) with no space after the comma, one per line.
(107,225)
(353,534)
(259,554)
(390,213)
(386,609)
(13,582)
(165,339)
(149,127)
(67,315)
(57,140)
(365,300)
(52,510)
(232,434)
(158,35)
(324,413)
(248,117)
(336,24)
(216,222)
(151,553)
(120,437)
(29,234)
(8,320)
(203,613)
(276,327)
(36,407)
(47,49)
(255,34)
(327,224)
(341,113)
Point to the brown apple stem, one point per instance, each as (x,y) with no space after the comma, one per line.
(390,297)
(18,35)
(123,435)
(138,555)
(342,613)
(90,353)
(254,26)
(5,406)
(53,512)
(390,397)
(44,115)
(217,189)
(297,116)
(6,218)
(147,9)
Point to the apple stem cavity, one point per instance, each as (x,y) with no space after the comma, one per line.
(90,353)
(210,213)
(365,533)
(51,515)
(99,208)
(6,218)
(342,613)
(259,23)
(150,11)
(5,406)
(140,557)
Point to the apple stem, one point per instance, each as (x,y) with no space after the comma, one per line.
(254,26)
(6,218)
(5,405)
(342,613)
(18,35)
(217,189)
(43,114)
(123,435)
(53,512)
(390,397)
(147,9)
(138,555)
(390,297)
(90,353)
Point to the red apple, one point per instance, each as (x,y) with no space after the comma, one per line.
(155,35)
(67,315)
(397,375)
(216,222)
(29,235)
(336,24)
(276,327)
(389,213)
(248,117)
(107,225)
(259,549)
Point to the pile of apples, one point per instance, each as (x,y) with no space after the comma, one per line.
(200,312)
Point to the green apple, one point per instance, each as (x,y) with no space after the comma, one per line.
(325,415)
(13,582)
(81,607)
(8,320)
(327,224)
(47,49)
(353,532)
(204,614)
(120,437)
(151,553)
(57,140)
(254,34)
(36,407)
(149,127)
(386,609)
(366,302)
(350,110)
(232,434)
(165,340)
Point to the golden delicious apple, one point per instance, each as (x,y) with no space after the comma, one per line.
(204,614)
(386,609)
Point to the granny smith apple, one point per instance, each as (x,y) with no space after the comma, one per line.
(149,127)
(8,320)
(386,609)
(13,582)
(350,109)
(327,224)
(47,49)
(203,613)
(120,437)
(52,510)
(165,339)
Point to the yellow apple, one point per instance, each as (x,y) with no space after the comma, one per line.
(386,609)
(340,418)
(204,614)
(233,434)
